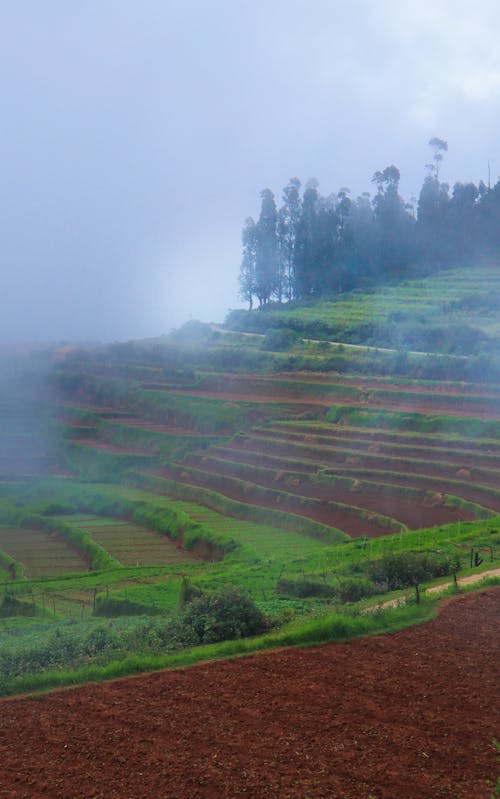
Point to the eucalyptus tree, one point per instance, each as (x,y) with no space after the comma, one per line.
(288,222)
(395,241)
(303,265)
(267,256)
(248,263)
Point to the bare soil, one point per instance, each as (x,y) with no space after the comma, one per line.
(414,512)
(409,715)
(338,457)
(347,520)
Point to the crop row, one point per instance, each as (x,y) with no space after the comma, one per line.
(412,507)
(353,520)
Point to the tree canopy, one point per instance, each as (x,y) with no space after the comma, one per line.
(314,245)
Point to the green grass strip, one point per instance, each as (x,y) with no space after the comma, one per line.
(240,510)
(330,629)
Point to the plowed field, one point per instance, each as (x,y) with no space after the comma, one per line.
(406,716)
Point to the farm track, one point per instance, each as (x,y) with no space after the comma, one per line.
(408,715)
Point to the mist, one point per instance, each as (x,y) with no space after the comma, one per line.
(136,139)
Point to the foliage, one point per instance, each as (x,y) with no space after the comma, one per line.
(301,588)
(409,568)
(315,245)
(223,616)
(279,339)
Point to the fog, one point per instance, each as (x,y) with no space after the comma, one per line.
(136,138)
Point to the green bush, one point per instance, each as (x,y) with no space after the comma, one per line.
(279,339)
(301,588)
(223,616)
(352,589)
(409,568)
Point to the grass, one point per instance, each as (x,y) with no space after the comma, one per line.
(130,544)
(325,630)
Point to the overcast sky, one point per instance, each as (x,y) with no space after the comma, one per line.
(136,136)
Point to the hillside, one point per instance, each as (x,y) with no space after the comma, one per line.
(324,458)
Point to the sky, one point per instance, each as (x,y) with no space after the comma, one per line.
(137,135)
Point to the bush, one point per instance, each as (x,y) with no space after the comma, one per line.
(279,339)
(223,616)
(408,568)
(352,589)
(300,588)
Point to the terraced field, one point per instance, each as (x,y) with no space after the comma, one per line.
(362,481)
(131,544)
(40,553)
(267,541)
(364,455)
(181,467)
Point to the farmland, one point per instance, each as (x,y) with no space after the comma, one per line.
(146,475)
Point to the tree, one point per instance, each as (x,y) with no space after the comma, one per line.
(395,225)
(249,261)
(266,260)
(305,242)
(439,146)
(288,222)
(433,238)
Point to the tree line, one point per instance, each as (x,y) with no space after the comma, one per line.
(316,246)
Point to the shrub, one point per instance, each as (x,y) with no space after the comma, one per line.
(300,588)
(352,589)
(279,339)
(223,616)
(408,568)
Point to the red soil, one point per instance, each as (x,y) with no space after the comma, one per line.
(310,431)
(157,427)
(408,715)
(386,383)
(339,456)
(348,520)
(473,493)
(397,448)
(469,406)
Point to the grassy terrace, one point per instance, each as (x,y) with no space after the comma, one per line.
(422,299)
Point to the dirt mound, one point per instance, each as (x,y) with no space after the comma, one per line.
(408,715)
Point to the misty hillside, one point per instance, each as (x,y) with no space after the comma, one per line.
(453,312)
(26,444)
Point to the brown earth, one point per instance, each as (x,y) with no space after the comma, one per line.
(390,384)
(414,512)
(338,457)
(455,487)
(311,431)
(349,519)
(398,448)
(406,716)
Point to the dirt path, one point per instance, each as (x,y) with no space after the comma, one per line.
(408,715)
(472,578)
(435,589)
